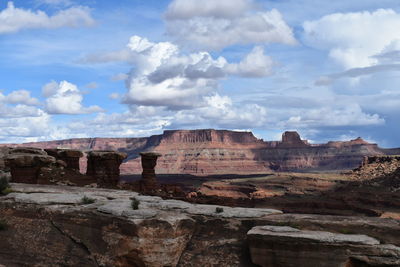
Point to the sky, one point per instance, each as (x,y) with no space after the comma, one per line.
(133,68)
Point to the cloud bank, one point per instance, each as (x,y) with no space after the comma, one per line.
(14,19)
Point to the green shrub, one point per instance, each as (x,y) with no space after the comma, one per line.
(4,185)
(135,203)
(87,200)
(219,210)
(3,225)
(346,232)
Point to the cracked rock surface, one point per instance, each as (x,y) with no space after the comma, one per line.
(283,246)
(53,226)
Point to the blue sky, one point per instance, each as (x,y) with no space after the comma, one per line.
(97,68)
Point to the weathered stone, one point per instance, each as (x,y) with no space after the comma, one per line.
(149,162)
(69,156)
(291,139)
(25,168)
(27,150)
(48,226)
(104,166)
(209,152)
(283,246)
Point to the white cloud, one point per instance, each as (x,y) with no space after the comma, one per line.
(356,72)
(220,111)
(353,39)
(65,98)
(334,116)
(18,111)
(14,19)
(163,76)
(255,64)
(218,24)
(20,97)
(186,9)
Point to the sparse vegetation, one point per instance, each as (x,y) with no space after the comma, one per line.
(135,203)
(219,210)
(3,225)
(346,232)
(87,200)
(4,185)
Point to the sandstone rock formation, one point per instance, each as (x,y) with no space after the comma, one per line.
(69,156)
(292,140)
(26,164)
(376,166)
(208,152)
(104,166)
(283,246)
(50,226)
(149,162)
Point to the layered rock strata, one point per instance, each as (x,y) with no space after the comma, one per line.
(69,156)
(26,164)
(52,226)
(209,152)
(284,246)
(104,166)
(149,162)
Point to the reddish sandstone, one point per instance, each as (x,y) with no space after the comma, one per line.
(104,166)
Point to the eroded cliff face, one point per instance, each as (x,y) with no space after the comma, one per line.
(51,226)
(209,152)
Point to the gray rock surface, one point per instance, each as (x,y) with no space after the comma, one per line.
(284,246)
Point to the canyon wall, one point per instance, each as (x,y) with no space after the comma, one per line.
(210,152)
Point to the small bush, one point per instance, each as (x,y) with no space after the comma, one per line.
(4,185)
(135,204)
(346,232)
(87,200)
(3,225)
(219,210)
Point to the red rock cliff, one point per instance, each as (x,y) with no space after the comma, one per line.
(208,151)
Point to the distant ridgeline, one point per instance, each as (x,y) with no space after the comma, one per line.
(210,152)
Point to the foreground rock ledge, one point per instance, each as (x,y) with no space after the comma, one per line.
(50,226)
(283,246)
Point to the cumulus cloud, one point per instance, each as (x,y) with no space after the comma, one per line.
(20,97)
(222,112)
(255,64)
(217,24)
(353,39)
(14,19)
(186,9)
(164,76)
(65,98)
